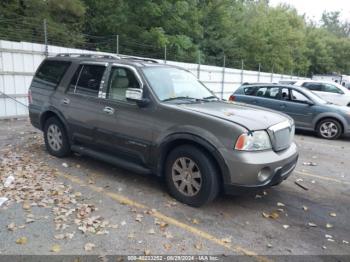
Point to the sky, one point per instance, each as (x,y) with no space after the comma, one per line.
(314,8)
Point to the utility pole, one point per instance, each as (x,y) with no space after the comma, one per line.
(45,39)
(199,64)
(117,39)
(223,77)
(242,69)
(165,54)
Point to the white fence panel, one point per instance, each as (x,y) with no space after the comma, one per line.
(19,61)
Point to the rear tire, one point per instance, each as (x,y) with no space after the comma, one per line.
(329,128)
(56,139)
(191,176)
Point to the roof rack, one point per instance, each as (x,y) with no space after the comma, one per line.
(139,59)
(92,55)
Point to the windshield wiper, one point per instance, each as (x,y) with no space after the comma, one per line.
(179,98)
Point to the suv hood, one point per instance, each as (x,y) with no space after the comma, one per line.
(250,117)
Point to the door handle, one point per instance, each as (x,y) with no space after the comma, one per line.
(65,101)
(108,110)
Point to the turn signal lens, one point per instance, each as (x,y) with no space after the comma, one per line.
(253,141)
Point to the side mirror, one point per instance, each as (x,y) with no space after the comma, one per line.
(309,102)
(136,95)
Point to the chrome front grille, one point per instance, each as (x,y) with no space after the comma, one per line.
(282,135)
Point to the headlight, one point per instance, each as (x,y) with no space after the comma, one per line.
(253,141)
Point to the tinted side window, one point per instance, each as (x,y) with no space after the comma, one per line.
(274,93)
(87,80)
(250,91)
(298,97)
(313,86)
(50,74)
(120,80)
(262,91)
(331,89)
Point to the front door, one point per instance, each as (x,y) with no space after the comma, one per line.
(124,128)
(298,107)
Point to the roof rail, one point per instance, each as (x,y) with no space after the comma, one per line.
(92,55)
(139,59)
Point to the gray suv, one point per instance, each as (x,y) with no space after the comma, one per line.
(157,119)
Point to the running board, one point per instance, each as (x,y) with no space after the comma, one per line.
(111,159)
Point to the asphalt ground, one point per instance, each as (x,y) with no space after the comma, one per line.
(81,206)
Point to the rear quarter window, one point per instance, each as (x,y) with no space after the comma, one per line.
(49,74)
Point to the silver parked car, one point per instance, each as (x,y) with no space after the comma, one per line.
(158,119)
(329,91)
(309,111)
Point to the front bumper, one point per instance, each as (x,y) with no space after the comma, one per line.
(244,168)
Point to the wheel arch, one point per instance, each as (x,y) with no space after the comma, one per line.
(338,119)
(173,141)
(52,112)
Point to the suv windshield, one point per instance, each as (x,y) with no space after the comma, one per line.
(171,84)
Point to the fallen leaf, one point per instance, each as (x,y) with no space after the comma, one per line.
(324,247)
(65,165)
(22,241)
(55,248)
(285,226)
(167,246)
(279,204)
(195,221)
(330,240)
(89,246)
(305,208)
(59,236)
(226,240)
(11,227)
(345,242)
(147,252)
(269,245)
(163,225)
(123,223)
(328,236)
(272,215)
(332,214)
(29,220)
(151,231)
(26,205)
(312,224)
(139,218)
(329,225)
(198,246)
(168,234)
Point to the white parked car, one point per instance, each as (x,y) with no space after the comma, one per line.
(329,91)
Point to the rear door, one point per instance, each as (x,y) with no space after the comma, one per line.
(80,101)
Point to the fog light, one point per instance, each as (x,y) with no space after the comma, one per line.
(264,174)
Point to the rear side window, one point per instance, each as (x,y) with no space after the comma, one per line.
(313,86)
(87,80)
(50,74)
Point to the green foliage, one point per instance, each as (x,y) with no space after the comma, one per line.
(277,38)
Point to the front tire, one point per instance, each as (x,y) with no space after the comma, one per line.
(55,136)
(191,176)
(329,129)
